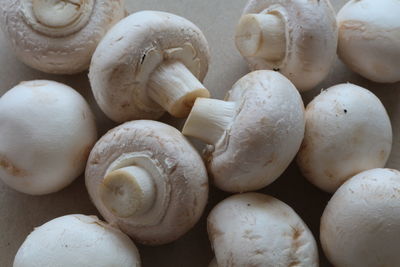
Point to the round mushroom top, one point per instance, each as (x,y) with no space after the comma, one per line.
(311,39)
(360,226)
(175,166)
(77,240)
(253,229)
(264,137)
(47,131)
(347,131)
(58,36)
(369,38)
(129,54)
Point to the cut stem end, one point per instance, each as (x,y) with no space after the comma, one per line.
(128,191)
(209,119)
(175,88)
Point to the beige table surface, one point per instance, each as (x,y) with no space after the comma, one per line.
(20,213)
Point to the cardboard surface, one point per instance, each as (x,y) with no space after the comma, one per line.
(217,18)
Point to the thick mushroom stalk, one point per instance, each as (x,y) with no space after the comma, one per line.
(128,191)
(175,88)
(57,18)
(209,119)
(262,35)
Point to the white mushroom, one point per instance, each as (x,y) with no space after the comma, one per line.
(347,131)
(253,135)
(147,179)
(295,37)
(253,229)
(360,226)
(147,63)
(47,131)
(58,36)
(369,38)
(77,240)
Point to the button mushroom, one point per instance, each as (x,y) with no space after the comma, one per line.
(146,178)
(57,36)
(253,229)
(369,39)
(347,131)
(47,131)
(360,226)
(77,240)
(147,63)
(253,135)
(295,37)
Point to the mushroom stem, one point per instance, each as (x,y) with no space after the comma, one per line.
(128,191)
(175,88)
(261,35)
(209,119)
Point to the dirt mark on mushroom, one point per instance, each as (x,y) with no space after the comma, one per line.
(11,168)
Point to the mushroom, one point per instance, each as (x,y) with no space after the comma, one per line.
(369,39)
(147,179)
(295,37)
(347,131)
(47,131)
(360,226)
(57,36)
(77,240)
(254,229)
(253,135)
(147,63)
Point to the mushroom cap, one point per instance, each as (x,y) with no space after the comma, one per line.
(182,169)
(264,136)
(369,39)
(311,39)
(77,240)
(347,131)
(64,54)
(254,229)
(360,226)
(47,131)
(129,53)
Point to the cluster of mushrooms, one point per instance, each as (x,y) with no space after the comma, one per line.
(148,181)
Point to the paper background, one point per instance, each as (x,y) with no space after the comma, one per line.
(217,18)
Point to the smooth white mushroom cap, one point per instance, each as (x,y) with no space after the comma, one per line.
(369,38)
(253,229)
(131,52)
(309,44)
(360,226)
(264,136)
(77,240)
(58,36)
(347,131)
(47,131)
(175,168)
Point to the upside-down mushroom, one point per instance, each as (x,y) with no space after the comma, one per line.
(298,38)
(253,135)
(58,36)
(147,179)
(148,63)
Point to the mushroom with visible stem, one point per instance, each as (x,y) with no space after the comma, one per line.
(146,178)
(254,229)
(253,135)
(369,39)
(295,37)
(77,240)
(360,225)
(58,36)
(347,131)
(147,63)
(47,131)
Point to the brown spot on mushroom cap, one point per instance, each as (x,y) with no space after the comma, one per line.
(213,231)
(11,168)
